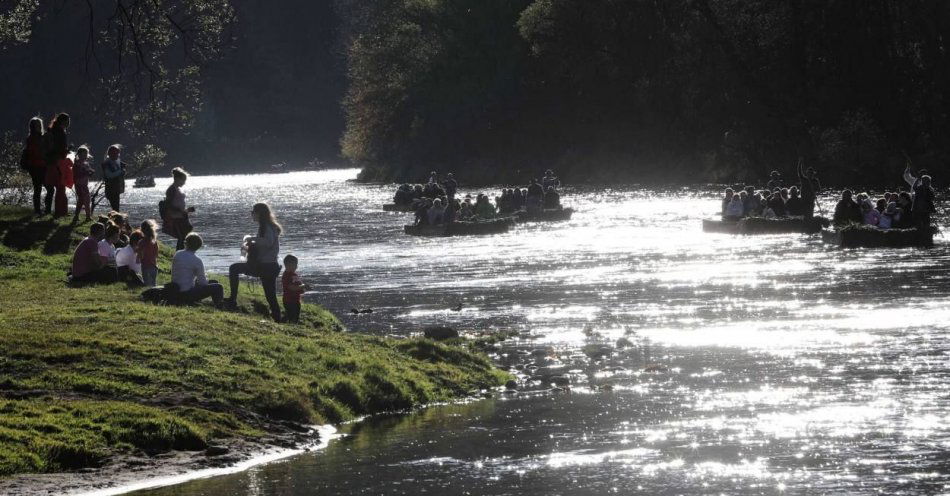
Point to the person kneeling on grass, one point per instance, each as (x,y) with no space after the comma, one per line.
(126,260)
(88,266)
(188,272)
(293,290)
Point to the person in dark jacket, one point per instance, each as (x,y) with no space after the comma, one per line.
(113,173)
(847,211)
(34,163)
(809,189)
(794,206)
(775,181)
(777,204)
(56,148)
(923,205)
(451,186)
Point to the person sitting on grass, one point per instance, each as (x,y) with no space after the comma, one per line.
(107,245)
(188,273)
(127,262)
(88,267)
(293,290)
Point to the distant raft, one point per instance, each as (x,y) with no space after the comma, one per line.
(546,215)
(871,237)
(394,207)
(760,225)
(144,182)
(462,228)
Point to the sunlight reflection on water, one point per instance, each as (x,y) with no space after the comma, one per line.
(754,365)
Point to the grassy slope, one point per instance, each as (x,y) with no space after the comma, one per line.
(85,373)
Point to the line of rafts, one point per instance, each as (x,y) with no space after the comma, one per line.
(498,225)
(852,236)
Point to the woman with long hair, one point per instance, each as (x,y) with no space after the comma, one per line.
(175,222)
(57,148)
(35,164)
(262,252)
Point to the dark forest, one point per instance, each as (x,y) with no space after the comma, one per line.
(496,90)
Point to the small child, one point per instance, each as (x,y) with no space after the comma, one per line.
(126,261)
(293,290)
(81,173)
(148,252)
(107,245)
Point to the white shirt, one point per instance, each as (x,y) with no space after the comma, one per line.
(188,270)
(107,251)
(125,257)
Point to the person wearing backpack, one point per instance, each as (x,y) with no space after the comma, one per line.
(34,163)
(174,211)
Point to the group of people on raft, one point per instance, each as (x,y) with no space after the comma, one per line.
(899,210)
(53,167)
(435,203)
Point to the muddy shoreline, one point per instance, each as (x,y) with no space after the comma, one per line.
(134,472)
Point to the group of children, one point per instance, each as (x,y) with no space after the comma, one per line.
(47,159)
(115,252)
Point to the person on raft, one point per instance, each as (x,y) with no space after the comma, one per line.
(550,180)
(923,206)
(847,211)
(809,189)
(775,181)
(552,200)
(450,186)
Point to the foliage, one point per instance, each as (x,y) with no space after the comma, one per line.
(15,184)
(84,360)
(605,88)
(148,158)
(16,21)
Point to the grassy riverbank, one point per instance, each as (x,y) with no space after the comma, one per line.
(89,373)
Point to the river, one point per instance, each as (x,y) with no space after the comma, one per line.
(746,365)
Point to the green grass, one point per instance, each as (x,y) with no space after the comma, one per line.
(88,373)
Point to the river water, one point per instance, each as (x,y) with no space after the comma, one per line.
(699,363)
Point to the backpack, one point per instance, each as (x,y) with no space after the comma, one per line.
(161,210)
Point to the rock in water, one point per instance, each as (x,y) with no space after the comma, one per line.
(440,333)
(216,450)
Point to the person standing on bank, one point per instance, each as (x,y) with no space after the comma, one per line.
(262,252)
(113,174)
(175,222)
(57,147)
(34,163)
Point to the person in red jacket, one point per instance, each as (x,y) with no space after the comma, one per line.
(56,147)
(35,164)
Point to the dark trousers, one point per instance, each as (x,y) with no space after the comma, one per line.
(268,274)
(38,177)
(105,275)
(198,293)
(180,245)
(292,312)
(129,277)
(113,193)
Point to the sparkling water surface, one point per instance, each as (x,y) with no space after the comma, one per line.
(699,363)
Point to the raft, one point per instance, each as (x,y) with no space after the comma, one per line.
(546,215)
(144,182)
(461,228)
(872,237)
(392,207)
(760,225)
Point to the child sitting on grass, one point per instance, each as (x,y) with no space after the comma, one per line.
(126,261)
(107,245)
(293,290)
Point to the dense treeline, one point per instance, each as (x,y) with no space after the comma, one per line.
(714,90)
(221,85)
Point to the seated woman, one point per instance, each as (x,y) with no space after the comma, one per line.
(188,272)
(436,213)
(777,205)
(88,267)
(726,200)
(847,211)
(795,206)
(869,214)
(735,208)
(262,252)
(483,208)
(886,213)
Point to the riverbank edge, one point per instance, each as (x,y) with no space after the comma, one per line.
(276,435)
